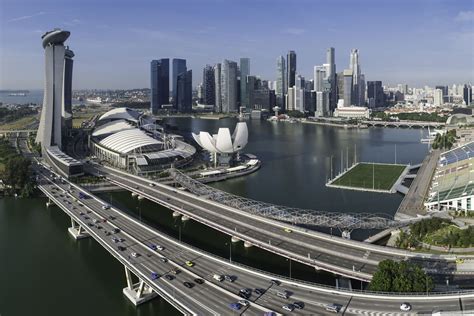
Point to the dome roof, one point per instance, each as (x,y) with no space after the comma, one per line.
(121,113)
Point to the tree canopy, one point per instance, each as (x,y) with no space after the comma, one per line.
(402,276)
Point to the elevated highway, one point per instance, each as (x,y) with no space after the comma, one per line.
(91,216)
(349,258)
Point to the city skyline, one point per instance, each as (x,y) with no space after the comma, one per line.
(441,30)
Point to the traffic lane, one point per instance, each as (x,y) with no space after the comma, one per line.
(304,252)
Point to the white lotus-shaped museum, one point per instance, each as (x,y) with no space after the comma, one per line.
(223,142)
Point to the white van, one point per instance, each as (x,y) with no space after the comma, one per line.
(218,277)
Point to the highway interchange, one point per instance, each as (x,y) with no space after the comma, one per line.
(212,297)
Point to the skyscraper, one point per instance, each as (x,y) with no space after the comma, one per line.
(209,86)
(179,66)
(291,68)
(331,78)
(467,94)
(444,89)
(281,88)
(299,94)
(229,86)
(244,72)
(375,94)
(319,75)
(348,77)
(438,97)
(160,83)
(218,88)
(184,92)
(56,113)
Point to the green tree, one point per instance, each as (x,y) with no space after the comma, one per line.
(403,276)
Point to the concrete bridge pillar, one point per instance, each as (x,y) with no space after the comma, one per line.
(137,293)
(77,231)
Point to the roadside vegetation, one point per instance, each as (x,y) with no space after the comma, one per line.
(296,114)
(416,116)
(14,171)
(404,276)
(437,232)
(445,141)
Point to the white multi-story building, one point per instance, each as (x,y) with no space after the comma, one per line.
(438,97)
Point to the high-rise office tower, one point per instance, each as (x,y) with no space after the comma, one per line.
(290,99)
(348,77)
(299,95)
(160,83)
(362,90)
(320,75)
(250,87)
(331,78)
(244,72)
(56,114)
(218,88)
(467,94)
(209,86)
(229,86)
(184,92)
(281,88)
(179,66)
(291,68)
(438,97)
(375,94)
(444,89)
(358,88)
(322,103)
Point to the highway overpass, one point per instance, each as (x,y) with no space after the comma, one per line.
(349,258)
(91,216)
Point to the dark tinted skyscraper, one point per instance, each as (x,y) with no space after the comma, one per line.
(184,92)
(467,94)
(209,85)
(179,66)
(291,68)
(375,94)
(444,89)
(244,72)
(331,78)
(160,83)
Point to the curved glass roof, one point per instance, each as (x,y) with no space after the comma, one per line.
(125,142)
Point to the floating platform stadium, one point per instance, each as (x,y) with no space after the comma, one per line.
(373,177)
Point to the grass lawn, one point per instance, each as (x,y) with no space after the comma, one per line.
(19,124)
(362,176)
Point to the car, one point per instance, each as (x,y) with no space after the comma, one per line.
(189,263)
(245,293)
(459,261)
(154,275)
(86,217)
(243,302)
(107,233)
(229,278)
(121,239)
(98,226)
(164,260)
(90,224)
(335,308)
(288,307)
(160,248)
(175,271)
(298,305)
(199,281)
(111,217)
(135,255)
(259,291)
(169,277)
(105,207)
(104,220)
(235,306)
(116,230)
(152,246)
(151,184)
(218,277)
(405,307)
(81,213)
(188,284)
(121,248)
(95,220)
(287,230)
(269,314)
(283,294)
(275,282)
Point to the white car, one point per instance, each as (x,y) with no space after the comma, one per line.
(243,302)
(151,184)
(288,307)
(105,207)
(135,255)
(405,307)
(160,248)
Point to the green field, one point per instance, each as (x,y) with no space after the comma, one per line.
(371,176)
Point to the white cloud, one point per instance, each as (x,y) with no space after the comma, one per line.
(26,17)
(294,31)
(465,16)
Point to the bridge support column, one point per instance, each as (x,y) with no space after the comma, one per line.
(137,293)
(77,231)
(49,203)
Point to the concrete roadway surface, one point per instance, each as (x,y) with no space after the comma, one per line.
(331,253)
(213,296)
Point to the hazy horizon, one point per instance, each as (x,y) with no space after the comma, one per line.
(418,42)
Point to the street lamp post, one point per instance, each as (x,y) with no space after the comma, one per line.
(230,251)
(289,259)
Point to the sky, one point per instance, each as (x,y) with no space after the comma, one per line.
(415,42)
